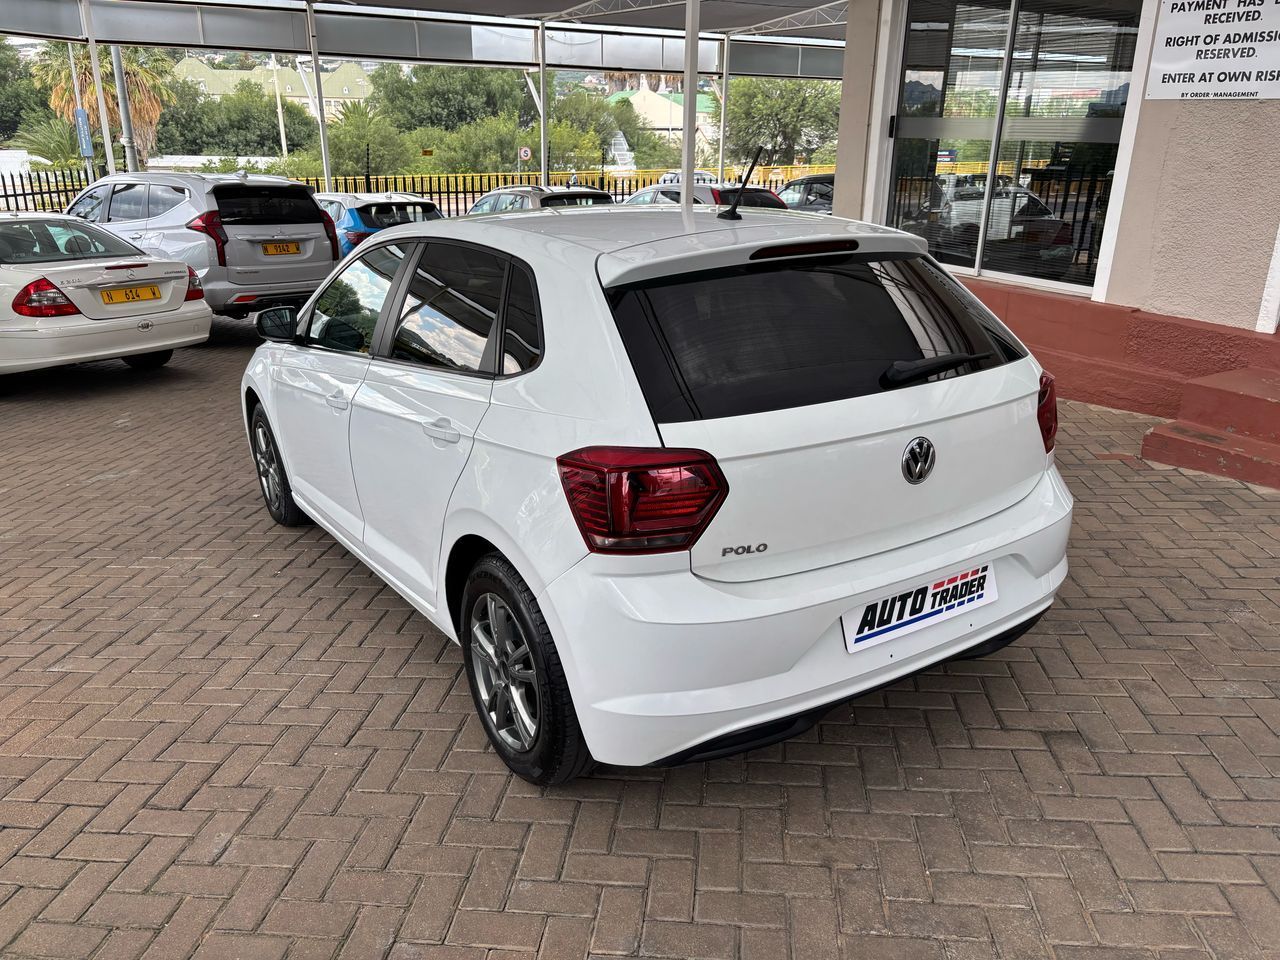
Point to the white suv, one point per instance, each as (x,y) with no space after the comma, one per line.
(677,485)
(253,240)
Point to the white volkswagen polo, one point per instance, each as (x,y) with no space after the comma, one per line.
(72,292)
(676,485)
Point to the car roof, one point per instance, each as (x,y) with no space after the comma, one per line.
(393,197)
(625,243)
(202,182)
(535,188)
(18,215)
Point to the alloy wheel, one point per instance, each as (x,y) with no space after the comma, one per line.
(505,672)
(268,464)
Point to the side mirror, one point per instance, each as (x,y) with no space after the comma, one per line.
(279,324)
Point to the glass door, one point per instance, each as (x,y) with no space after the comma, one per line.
(1051,93)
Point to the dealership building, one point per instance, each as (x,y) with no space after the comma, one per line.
(1097,171)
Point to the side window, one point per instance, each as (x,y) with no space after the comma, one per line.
(483,205)
(164,198)
(89,206)
(505,202)
(128,202)
(449,308)
(792,194)
(346,314)
(521,336)
(639,198)
(820,192)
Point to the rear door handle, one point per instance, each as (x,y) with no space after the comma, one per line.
(441,429)
(135,236)
(337,400)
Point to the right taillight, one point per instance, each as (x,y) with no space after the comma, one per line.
(210,224)
(641,500)
(1047,410)
(195,289)
(40,298)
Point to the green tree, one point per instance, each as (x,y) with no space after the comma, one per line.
(448,97)
(493,144)
(51,140)
(21,104)
(242,123)
(360,132)
(786,117)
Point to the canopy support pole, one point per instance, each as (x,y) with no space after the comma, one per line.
(86,21)
(122,101)
(544,108)
(689,134)
(315,67)
(75,87)
(724,100)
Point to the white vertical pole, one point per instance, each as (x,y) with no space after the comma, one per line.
(86,21)
(997,137)
(275,76)
(544,108)
(315,67)
(724,100)
(75,86)
(692,13)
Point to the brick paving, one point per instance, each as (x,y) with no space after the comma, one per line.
(220,738)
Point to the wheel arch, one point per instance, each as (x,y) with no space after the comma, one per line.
(469,537)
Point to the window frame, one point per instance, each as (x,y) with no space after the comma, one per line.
(490,369)
(118,188)
(303,328)
(102,204)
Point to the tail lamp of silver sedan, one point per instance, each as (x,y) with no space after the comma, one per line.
(676,484)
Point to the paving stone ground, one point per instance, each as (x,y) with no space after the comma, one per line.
(224,739)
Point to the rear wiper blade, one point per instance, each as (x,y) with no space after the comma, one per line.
(902,372)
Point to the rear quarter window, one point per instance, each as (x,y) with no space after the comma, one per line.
(761,337)
(267,204)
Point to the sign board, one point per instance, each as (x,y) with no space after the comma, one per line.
(83,133)
(946,156)
(526,154)
(1216,50)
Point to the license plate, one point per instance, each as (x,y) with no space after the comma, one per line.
(131,294)
(281,249)
(918,607)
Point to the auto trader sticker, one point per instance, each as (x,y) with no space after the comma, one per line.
(922,606)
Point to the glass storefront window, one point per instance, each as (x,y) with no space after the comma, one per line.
(1064,82)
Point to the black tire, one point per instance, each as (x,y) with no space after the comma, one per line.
(149,361)
(273,481)
(555,751)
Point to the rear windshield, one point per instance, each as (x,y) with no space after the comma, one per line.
(58,241)
(379,216)
(753,198)
(576,199)
(772,336)
(250,204)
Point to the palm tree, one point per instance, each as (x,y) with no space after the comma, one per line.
(52,140)
(146,73)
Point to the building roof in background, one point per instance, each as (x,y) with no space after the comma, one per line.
(348,81)
(706,102)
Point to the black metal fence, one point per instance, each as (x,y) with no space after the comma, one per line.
(41,190)
(454,193)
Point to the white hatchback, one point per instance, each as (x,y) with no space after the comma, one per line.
(677,485)
(72,292)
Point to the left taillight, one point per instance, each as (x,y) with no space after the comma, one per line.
(195,289)
(1047,411)
(641,500)
(40,298)
(332,233)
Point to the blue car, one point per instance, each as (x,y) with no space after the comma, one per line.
(359,216)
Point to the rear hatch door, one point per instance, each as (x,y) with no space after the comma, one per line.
(275,233)
(775,369)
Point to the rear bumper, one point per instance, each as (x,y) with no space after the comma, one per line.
(241,299)
(87,340)
(663,663)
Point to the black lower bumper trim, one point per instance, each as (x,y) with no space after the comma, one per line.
(784,728)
